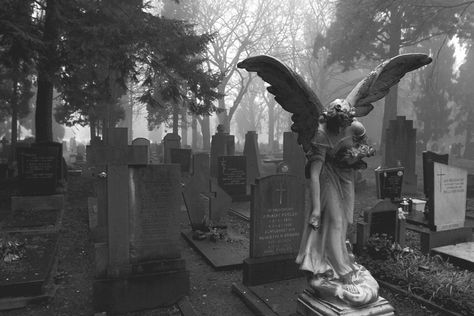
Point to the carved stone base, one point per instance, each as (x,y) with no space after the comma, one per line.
(308,305)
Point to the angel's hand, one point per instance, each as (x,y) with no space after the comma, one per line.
(315,220)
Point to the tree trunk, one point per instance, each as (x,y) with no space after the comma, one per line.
(14,105)
(175,119)
(391,100)
(194,133)
(184,127)
(46,72)
(206,133)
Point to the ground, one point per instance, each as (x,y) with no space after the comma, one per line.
(210,292)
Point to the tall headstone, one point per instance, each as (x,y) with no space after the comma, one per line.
(449,197)
(222,144)
(276,224)
(400,150)
(181,156)
(293,155)
(170,140)
(252,155)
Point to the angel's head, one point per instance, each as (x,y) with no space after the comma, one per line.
(338,115)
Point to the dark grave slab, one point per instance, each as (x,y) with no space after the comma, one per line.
(27,275)
(170,140)
(252,154)
(232,176)
(241,210)
(61,174)
(221,255)
(275,298)
(29,219)
(461,254)
(222,144)
(38,170)
(389,182)
(182,157)
(276,224)
(470,186)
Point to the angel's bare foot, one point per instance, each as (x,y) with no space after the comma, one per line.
(315,221)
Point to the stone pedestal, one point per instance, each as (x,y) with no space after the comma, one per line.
(308,305)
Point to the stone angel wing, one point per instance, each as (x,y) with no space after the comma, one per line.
(291,92)
(377,84)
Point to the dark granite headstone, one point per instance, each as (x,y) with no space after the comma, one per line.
(232,175)
(400,150)
(155,199)
(276,223)
(38,170)
(60,172)
(252,154)
(389,182)
(182,157)
(222,144)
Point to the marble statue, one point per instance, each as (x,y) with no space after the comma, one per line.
(335,144)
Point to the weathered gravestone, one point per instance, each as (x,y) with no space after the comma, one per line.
(252,155)
(181,156)
(293,155)
(232,176)
(276,224)
(170,140)
(139,266)
(222,144)
(400,150)
(141,141)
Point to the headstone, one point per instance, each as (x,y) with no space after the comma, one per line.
(232,176)
(293,155)
(72,145)
(141,141)
(61,174)
(222,144)
(381,219)
(170,140)
(81,152)
(38,170)
(389,182)
(429,158)
(252,155)
(155,202)
(182,157)
(400,150)
(276,223)
(449,202)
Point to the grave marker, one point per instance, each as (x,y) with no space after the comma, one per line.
(170,140)
(232,176)
(222,144)
(276,225)
(449,201)
(389,182)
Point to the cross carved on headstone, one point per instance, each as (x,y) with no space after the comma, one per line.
(281,190)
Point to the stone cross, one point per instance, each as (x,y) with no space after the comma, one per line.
(281,190)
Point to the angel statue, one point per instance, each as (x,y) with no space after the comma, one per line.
(335,144)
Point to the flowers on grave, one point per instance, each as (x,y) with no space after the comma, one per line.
(11,249)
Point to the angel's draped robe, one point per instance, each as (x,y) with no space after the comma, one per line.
(324,250)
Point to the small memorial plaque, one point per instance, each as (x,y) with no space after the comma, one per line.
(450,187)
(232,175)
(38,170)
(276,216)
(389,182)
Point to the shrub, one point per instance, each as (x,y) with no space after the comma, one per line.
(427,276)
